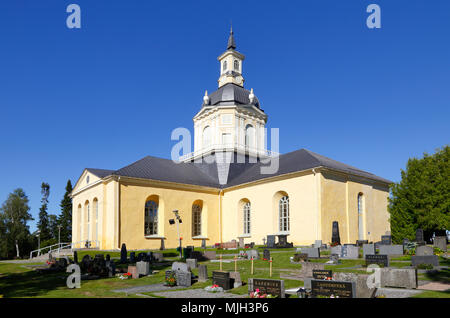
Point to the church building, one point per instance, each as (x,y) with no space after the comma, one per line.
(225,189)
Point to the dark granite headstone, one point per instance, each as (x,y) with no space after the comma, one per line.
(273,287)
(203,243)
(419,237)
(386,240)
(222,279)
(321,273)
(197,255)
(377,259)
(162,247)
(266,254)
(270,241)
(108,257)
(335,238)
(336,288)
(132,257)
(123,254)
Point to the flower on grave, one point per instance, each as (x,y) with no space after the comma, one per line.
(214,288)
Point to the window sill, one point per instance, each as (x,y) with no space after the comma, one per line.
(154,237)
(283,233)
(244,236)
(200,237)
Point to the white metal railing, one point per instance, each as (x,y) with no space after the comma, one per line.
(63,246)
(229,147)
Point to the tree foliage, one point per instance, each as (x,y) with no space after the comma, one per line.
(14,215)
(422,198)
(44,223)
(65,218)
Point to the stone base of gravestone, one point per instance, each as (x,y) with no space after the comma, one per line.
(362,289)
(143,268)
(400,278)
(424,250)
(308,267)
(441,243)
(191,262)
(202,273)
(425,259)
(236,278)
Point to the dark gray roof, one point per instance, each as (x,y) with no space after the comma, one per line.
(231,94)
(101,173)
(206,174)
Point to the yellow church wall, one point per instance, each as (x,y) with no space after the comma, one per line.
(339,202)
(264,197)
(133,196)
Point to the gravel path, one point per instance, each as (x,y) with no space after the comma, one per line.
(146,288)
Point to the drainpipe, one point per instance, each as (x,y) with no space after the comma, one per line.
(118,213)
(220,215)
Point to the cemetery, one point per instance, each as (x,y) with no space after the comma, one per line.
(275,270)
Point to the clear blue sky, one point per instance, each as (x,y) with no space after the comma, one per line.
(111,92)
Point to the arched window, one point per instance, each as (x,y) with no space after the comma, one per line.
(249,136)
(80,223)
(360,216)
(96,219)
(236,65)
(196,220)
(224,66)
(88,216)
(247,209)
(151,218)
(283,209)
(206,136)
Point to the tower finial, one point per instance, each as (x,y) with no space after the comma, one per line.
(231,43)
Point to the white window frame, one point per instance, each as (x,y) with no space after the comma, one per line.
(283,216)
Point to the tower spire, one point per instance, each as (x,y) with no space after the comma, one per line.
(231,43)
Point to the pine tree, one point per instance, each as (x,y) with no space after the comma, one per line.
(14,215)
(422,198)
(65,218)
(43,224)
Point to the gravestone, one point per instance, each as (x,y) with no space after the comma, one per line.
(270,241)
(273,287)
(132,257)
(196,255)
(322,273)
(158,257)
(123,254)
(392,250)
(187,251)
(400,278)
(236,279)
(335,238)
(424,250)
(350,252)
(133,271)
(86,263)
(328,288)
(419,237)
(301,257)
(336,250)
(311,251)
(360,280)
(441,243)
(183,278)
(222,279)
(202,273)
(308,267)
(378,259)
(318,244)
(360,243)
(180,267)
(282,242)
(266,254)
(143,268)
(149,256)
(203,244)
(191,262)
(111,267)
(108,257)
(253,253)
(162,247)
(425,259)
(386,240)
(368,249)
(209,255)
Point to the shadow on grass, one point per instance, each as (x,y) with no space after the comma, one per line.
(31,283)
(442,275)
